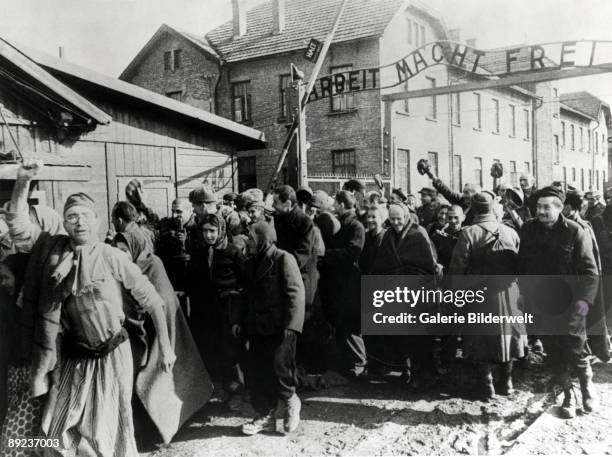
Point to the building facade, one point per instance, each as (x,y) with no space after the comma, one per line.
(349,134)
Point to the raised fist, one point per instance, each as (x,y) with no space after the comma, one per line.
(29,169)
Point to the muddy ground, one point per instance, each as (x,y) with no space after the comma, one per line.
(381,416)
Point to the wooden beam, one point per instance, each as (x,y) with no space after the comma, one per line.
(79,173)
(523,78)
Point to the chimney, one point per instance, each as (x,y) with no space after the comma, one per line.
(278,16)
(454,35)
(471,42)
(239,22)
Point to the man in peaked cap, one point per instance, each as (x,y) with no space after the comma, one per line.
(551,244)
(203,200)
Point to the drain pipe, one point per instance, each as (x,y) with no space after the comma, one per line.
(536,104)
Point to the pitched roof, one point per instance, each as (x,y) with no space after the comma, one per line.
(199,43)
(583,102)
(304,19)
(27,65)
(143,95)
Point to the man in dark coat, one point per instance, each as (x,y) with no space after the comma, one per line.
(296,235)
(527,184)
(595,206)
(407,250)
(428,210)
(488,247)
(553,245)
(341,277)
(172,242)
(445,239)
(273,317)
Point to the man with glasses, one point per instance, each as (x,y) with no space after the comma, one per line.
(73,291)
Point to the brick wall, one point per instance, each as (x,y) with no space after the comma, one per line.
(196,77)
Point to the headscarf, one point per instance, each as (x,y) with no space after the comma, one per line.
(138,244)
(216,221)
(264,236)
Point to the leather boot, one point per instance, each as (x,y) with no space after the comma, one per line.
(568,408)
(590,400)
(504,386)
(485,381)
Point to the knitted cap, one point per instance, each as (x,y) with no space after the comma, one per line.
(202,194)
(482,202)
(551,191)
(79,199)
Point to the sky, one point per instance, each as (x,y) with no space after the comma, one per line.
(106,34)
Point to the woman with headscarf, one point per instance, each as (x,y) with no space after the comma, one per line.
(169,399)
(23,414)
(407,250)
(273,317)
(73,290)
(214,281)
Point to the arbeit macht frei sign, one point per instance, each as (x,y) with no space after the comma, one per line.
(487,64)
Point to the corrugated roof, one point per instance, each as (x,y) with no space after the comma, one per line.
(304,19)
(143,95)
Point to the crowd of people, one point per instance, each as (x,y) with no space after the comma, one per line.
(240,295)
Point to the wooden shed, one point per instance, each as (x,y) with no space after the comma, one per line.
(96,133)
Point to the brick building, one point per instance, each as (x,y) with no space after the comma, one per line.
(241,69)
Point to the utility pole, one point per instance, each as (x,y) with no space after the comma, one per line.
(301,105)
(302,144)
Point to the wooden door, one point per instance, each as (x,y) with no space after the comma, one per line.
(159,192)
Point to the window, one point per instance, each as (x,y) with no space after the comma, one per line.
(555,99)
(284,84)
(564,175)
(596,142)
(456,108)
(478,106)
(408,30)
(432,158)
(527,167)
(582,179)
(343,161)
(247,175)
(478,171)
(172,59)
(406,100)
(590,179)
(415,27)
(176,95)
(581,132)
(572,137)
(513,173)
(563,134)
(432,111)
(557,153)
(403,165)
(341,101)
(603,144)
(597,179)
(589,141)
(241,102)
(527,126)
(495,116)
(512,121)
(457,184)
(573,174)
(422,29)
(603,176)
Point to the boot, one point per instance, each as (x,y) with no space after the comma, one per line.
(292,413)
(485,381)
(568,408)
(590,400)
(265,423)
(505,387)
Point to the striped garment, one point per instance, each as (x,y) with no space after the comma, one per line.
(90,410)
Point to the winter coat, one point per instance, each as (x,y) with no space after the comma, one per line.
(370,251)
(565,252)
(444,241)
(274,294)
(427,213)
(296,235)
(407,253)
(340,270)
(511,340)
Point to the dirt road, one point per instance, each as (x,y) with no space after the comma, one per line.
(382,417)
